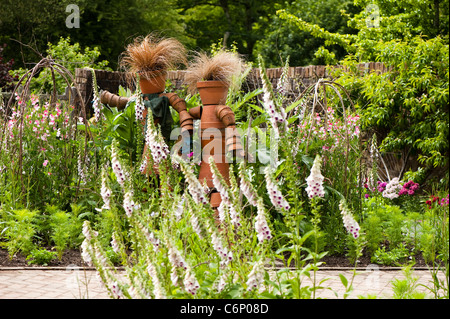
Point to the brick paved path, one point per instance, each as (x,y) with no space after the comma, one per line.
(74,283)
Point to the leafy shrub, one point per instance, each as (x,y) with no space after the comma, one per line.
(71,56)
(20,232)
(394,257)
(41,256)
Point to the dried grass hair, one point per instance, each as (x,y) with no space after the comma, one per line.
(223,66)
(150,54)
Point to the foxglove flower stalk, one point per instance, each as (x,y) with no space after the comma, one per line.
(105,192)
(350,224)
(175,257)
(101,258)
(139,108)
(85,252)
(81,167)
(157,289)
(150,236)
(196,189)
(269,105)
(282,85)
(255,277)
(261,227)
(315,180)
(222,187)
(154,140)
(247,188)
(143,165)
(190,282)
(392,189)
(234,216)
(174,276)
(96,104)
(179,210)
(195,225)
(218,182)
(222,211)
(225,255)
(222,282)
(117,166)
(275,195)
(116,290)
(128,203)
(115,244)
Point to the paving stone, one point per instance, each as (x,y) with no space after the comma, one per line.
(78,284)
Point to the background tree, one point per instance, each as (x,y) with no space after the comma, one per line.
(233,21)
(407,106)
(282,39)
(27,26)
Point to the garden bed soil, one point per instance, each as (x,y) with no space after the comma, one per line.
(73,257)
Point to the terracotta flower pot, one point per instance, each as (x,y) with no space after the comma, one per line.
(154,84)
(212,94)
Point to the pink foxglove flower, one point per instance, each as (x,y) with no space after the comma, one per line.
(222,187)
(116,290)
(155,142)
(261,227)
(139,108)
(350,224)
(117,166)
(105,192)
(128,203)
(175,257)
(196,189)
(195,225)
(219,182)
(315,180)
(174,276)
(255,277)
(179,210)
(222,211)
(269,105)
(392,189)
(190,282)
(96,104)
(114,244)
(225,255)
(157,289)
(247,188)
(275,195)
(143,166)
(85,252)
(222,282)
(45,163)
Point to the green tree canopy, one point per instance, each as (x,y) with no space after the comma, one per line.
(407,107)
(28,26)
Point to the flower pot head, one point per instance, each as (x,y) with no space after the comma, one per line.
(212,92)
(154,82)
(150,55)
(221,67)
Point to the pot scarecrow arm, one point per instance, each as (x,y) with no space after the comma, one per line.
(232,137)
(186,120)
(113,100)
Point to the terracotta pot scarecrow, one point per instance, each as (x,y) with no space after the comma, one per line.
(211,77)
(150,59)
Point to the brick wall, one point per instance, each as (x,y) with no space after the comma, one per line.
(298,77)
